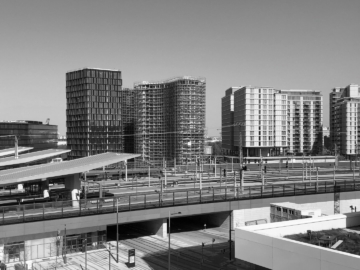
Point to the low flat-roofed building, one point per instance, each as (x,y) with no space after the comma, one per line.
(33,134)
(289,211)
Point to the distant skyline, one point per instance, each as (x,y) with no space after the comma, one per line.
(285,44)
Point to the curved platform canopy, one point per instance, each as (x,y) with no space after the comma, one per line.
(38,172)
(11,151)
(32,157)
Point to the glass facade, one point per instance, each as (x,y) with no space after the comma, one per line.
(29,133)
(155,119)
(94,112)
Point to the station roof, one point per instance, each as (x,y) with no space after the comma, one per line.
(11,151)
(281,157)
(31,173)
(32,157)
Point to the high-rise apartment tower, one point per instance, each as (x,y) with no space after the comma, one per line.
(163,121)
(170,119)
(344,119)
(273,122)
(94,112)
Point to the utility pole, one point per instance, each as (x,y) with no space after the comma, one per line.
(165,172)
(317,179)
(215,166)
(126,178)
(240,163)
(235,195)
(336,157)
(16,148)
(200,163)
(196,164)
(262,173)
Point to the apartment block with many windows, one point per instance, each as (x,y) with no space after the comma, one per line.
(274,122)
(162,120)
(170,119)
(227,120)
(94,112)
(344,119)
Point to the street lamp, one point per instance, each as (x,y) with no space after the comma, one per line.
(173,214)
(84,245)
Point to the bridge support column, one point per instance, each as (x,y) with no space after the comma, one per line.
(45,187)
(72,182)
(2,252)
(20,186)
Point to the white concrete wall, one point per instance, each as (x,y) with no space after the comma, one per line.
(262,245)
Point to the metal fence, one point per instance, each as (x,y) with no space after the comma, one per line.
(65,209)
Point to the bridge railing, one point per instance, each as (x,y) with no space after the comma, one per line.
(86,207)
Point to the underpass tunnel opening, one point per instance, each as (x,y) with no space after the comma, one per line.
(199,222)
(137,229)
(160,227)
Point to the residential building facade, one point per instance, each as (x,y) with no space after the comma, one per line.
(227,120)
(161,120)
(170,119)
(344,119)
(93,112)
(274,122)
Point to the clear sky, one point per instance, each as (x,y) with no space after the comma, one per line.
(290,44)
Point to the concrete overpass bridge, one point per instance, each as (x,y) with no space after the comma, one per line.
(227,206)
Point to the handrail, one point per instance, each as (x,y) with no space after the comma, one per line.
(66,209)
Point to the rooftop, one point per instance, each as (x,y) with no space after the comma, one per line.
(170,80)
(31,173)
(11,151)
(105,69)
(31,157)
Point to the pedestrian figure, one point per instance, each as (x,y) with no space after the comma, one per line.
(2,266)
(265,169)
